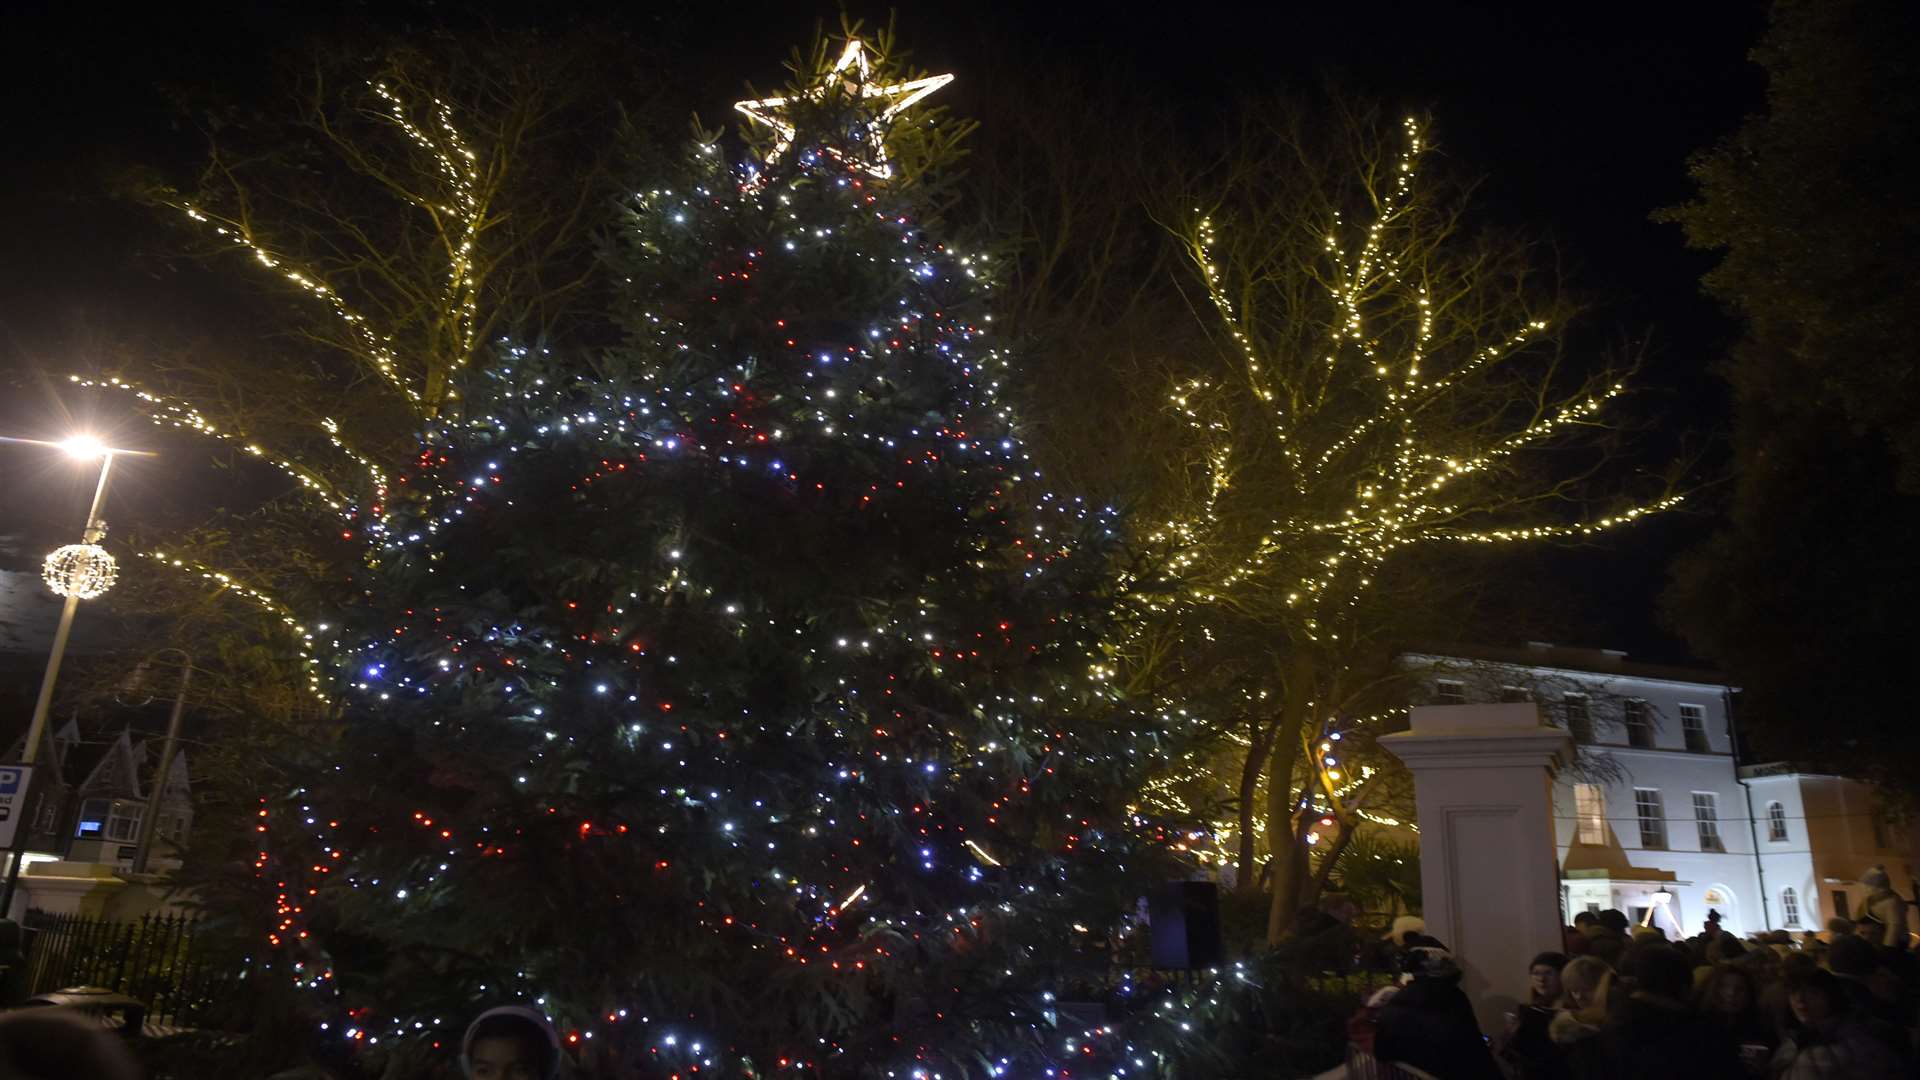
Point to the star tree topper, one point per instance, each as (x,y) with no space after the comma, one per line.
(898,97)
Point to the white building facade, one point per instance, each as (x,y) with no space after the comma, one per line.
(1654,819)
(1816,835)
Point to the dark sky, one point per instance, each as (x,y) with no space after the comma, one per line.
(1581,115)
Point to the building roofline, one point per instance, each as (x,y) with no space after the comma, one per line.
(1578,661)
(1782,770)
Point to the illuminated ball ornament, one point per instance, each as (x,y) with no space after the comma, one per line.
(80,570)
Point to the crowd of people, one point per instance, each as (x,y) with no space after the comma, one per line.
(1625,1001)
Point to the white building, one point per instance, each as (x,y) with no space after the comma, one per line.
(1657,819)
(1816,834)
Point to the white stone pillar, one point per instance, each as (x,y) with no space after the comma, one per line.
(1489,878)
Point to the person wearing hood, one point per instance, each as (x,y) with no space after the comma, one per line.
(512,1042)
(1885,905)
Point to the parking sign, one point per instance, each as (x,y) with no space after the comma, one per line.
(13,800)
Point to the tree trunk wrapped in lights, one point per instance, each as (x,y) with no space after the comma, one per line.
(1390,381)
(1364,394)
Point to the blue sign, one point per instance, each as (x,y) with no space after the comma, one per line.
(13,799)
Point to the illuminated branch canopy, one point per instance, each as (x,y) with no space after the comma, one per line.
(1393,420)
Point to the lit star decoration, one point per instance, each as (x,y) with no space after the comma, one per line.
(849,73)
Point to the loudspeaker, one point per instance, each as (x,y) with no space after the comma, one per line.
(1185,919)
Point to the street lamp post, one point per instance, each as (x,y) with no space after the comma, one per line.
(96,529)
(143,851)
(77,572)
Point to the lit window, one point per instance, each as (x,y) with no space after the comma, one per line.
(1450,692)
(1590,803)
(1653,821)
(1639,724)
(1706,818)
(1693,722)
(1790,907)
(1776,822)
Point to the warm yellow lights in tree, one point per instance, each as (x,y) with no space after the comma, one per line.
(1367,446)
(83,571)
(455,205)
(1385,380)
(303,637)
(849,75)
(171,412)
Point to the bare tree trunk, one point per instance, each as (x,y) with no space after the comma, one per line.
(1289,860)
(1247,878)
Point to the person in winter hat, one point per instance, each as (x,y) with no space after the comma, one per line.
(1389,953)
(1886,905)
(1429,1023)
(511,1042)
(1527,1050)
(1403,927)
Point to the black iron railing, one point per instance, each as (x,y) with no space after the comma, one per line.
(169,962)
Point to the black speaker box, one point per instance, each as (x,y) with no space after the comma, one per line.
(1185,917)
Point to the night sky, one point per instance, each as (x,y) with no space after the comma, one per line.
(1581,116)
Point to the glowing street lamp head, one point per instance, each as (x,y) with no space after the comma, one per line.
(84,447)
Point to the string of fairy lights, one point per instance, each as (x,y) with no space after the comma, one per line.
(459,215)
(699,407)
(171,412)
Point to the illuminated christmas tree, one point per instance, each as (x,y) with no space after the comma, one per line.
(736,695)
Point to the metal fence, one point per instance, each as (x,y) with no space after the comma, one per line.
(169,962)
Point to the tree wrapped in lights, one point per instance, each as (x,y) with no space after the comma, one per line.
(412,202)
(737,697)
(1384,387)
